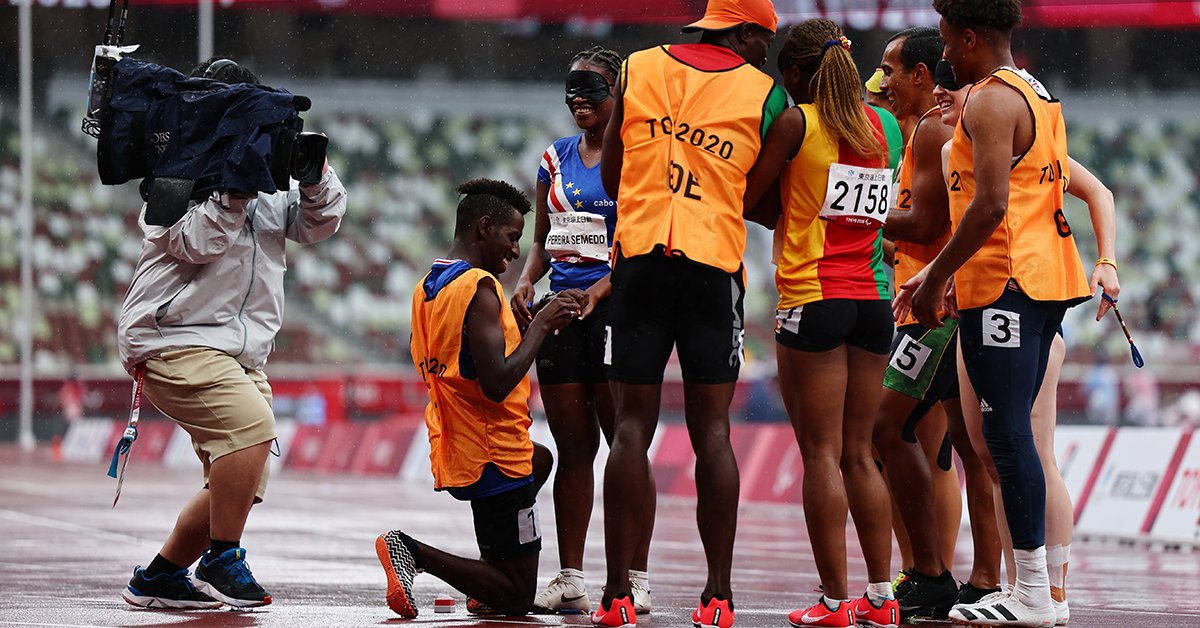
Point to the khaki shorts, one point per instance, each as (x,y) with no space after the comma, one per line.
(224,406)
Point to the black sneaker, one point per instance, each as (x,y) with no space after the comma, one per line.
(970,594)
(925,596)
(227,578)
(166,590)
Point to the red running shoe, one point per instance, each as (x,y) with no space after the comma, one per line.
(717,612)
(819,615)
(886,615)
(619,613)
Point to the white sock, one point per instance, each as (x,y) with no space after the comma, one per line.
(640,577)
(1057,558)
(1033,582)
(572,574)
(879,592)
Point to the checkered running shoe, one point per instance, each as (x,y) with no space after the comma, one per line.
(166,590)
(717,612)
(821,615)
(401,568)
(618,614)
(886,615)
(227,578)
(1008,611)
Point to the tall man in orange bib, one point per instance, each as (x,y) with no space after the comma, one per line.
(686,127)
(1016,270)
(475,366)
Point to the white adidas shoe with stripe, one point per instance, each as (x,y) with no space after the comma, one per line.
(1008,611)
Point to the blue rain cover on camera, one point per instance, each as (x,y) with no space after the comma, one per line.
(161,123)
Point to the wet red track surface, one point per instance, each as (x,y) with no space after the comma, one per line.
(65,555)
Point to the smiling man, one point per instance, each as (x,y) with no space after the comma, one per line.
(475,366)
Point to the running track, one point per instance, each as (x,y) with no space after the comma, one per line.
(65,555)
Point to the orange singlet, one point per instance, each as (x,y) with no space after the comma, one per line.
(912,257)
(1033,244)
(466,429)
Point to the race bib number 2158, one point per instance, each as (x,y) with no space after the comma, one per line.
(857,196)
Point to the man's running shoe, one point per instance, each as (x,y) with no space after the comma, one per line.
(641,597)
(227,578)
(821,615)
(717,612)
(970,594)
(475,607)
(618,614)
(886,615)
(166,590)
(920,595)
(565,595)
(1062,612)
(400,567)
(1008,611)
(901,576)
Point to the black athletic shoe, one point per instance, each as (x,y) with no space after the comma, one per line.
(166,590)
(227,578)
(925,596)
(970,594)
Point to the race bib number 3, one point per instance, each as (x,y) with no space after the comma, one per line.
(577,237)
(1001,328)
(857,196)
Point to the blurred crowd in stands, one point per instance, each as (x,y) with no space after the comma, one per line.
(348,301)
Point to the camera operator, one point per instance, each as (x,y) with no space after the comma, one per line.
(197,323)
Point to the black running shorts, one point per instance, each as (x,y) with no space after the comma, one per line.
(660,302)
(576,353)
(826,325)
(506,525)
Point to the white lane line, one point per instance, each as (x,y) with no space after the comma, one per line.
(66,526)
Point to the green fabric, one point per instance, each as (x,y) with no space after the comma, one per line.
(776,103)
(891,131)
(935,343)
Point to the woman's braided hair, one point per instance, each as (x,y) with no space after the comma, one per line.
(603,57)
(819,48)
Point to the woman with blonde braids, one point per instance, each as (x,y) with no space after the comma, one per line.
(834,321)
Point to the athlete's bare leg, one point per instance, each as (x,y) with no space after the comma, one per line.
(815,393)
(985,538)
(625,476)
(947,493)
(570,415)
(706,407)
(910,479)
(1060,513)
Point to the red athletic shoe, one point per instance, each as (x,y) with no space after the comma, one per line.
(886,615)
(819,615)
(620,613)
(718,612)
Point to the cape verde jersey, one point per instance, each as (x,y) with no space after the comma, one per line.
(582,217)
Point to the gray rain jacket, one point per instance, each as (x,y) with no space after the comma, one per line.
(215,278)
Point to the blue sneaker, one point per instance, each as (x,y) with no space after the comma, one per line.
(166,590)
(227,578)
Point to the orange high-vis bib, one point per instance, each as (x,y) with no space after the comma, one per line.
(1033,244)
(690,138)
(910,256)
(466,429)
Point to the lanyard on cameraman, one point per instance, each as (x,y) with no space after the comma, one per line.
(125,445)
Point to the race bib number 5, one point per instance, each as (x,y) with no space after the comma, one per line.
(577,237)
(857,196)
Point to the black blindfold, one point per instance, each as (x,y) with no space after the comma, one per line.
(943,76)
(588,85)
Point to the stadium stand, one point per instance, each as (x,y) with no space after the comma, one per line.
(349,301)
